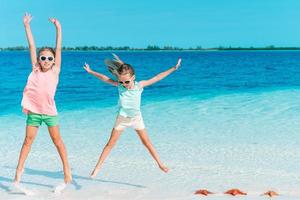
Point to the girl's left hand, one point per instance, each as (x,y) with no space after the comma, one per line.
(178,64)
(55,21)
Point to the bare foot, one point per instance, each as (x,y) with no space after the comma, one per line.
(18,175)
(94,173)
(68,177)
(22,189)
(164,168)
(60,188)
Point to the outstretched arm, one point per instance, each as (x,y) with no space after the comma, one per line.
(32,49)
(58,44)
(102,77)
(160,76)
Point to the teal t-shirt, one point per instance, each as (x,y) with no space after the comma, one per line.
(130,100)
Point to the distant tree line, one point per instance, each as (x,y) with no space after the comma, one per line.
(154,48)
(270,47)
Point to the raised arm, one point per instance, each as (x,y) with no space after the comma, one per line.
(160,76)
(32,49)
(102,77)
(58,44)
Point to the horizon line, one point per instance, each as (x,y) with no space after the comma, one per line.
(155,47)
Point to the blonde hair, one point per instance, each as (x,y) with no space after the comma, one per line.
(117,67)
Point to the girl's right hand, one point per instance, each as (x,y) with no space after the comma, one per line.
(87,68)
(27,18)
(55,22)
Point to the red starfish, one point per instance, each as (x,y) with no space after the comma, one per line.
(235,192)
(203,192)
(271,193)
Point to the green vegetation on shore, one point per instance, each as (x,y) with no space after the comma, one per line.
(155,48)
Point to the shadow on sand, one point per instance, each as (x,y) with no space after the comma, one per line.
(57,175)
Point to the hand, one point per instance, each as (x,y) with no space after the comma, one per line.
(55,22)
(87,68)
(36,67)
(27,18)
(178,64)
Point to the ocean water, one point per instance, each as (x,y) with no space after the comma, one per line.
(223,120)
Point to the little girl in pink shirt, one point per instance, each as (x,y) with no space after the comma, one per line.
(38,99)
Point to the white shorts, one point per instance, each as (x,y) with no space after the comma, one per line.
(135,122)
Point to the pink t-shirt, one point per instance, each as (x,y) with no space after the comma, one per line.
(39,92)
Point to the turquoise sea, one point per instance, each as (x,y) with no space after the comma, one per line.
(225,119)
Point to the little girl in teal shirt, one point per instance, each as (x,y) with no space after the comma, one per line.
(129,113)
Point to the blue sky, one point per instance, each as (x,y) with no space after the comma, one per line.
(136,23)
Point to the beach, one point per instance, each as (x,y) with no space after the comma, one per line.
(217,124)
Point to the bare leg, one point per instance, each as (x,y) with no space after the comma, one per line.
(146,141)
(56,138)
(31,132)
(115,135)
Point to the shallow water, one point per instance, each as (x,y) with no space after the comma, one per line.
(224,120)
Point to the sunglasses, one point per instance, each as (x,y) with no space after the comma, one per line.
(49,58)
(125,82)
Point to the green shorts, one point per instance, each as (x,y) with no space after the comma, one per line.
(34,119)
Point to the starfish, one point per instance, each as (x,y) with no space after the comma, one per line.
(235,192)
(203,192)
(271,193)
